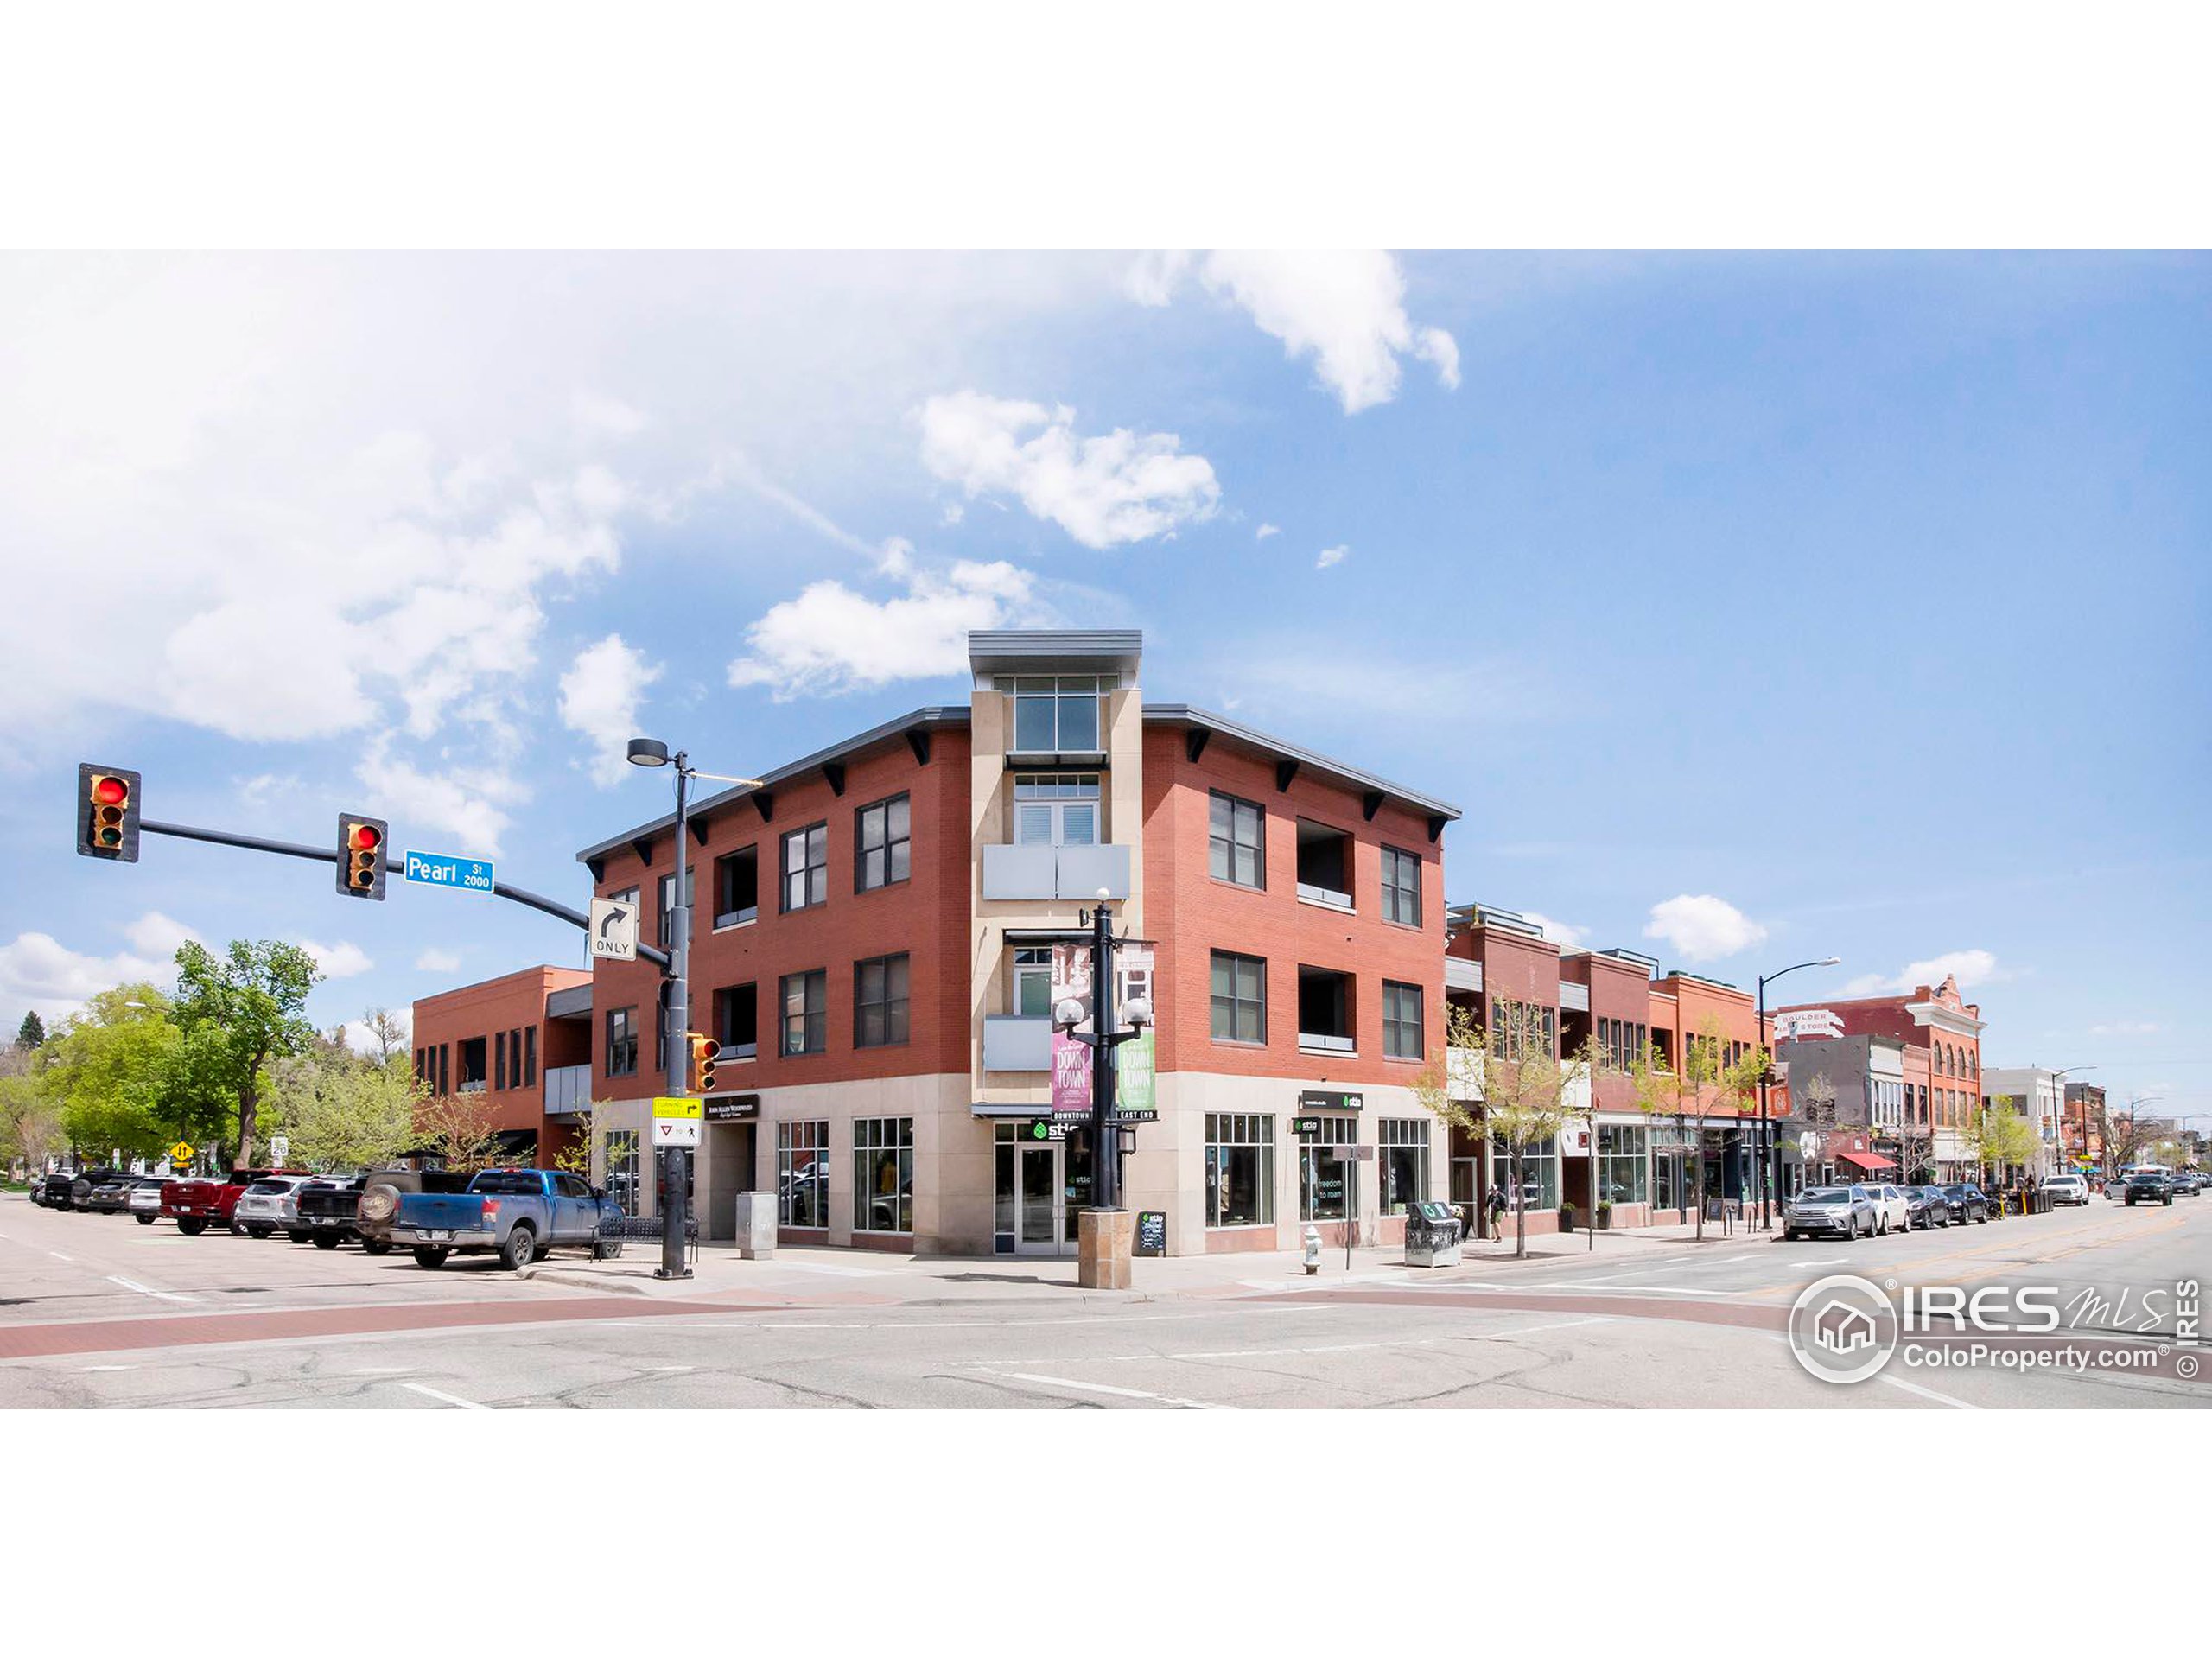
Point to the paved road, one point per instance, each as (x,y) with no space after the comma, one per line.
(109,1313)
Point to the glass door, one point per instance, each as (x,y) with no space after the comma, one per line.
(1037,1191)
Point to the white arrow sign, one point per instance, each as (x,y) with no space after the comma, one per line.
(613,930)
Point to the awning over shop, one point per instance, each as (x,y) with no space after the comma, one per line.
(1010,1108)
(1868,1162)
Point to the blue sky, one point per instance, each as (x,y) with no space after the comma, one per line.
(1788,606)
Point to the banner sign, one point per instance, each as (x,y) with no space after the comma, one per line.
(1133,1088)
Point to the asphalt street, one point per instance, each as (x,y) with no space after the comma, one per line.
(99,1311)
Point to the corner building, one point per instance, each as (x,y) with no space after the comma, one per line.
(871,946)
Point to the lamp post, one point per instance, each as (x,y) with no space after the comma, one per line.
(1104,1036)
(1769,1161)
(2059,1077)
(676,979)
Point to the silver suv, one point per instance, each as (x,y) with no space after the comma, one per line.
(1846,1212)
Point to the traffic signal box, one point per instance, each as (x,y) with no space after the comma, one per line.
(107,813)
(704,1050)
(362,844)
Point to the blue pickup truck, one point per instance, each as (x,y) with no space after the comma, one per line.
(521,1213)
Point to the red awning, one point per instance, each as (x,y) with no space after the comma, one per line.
(1867,1161)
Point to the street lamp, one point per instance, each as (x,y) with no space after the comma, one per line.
(1769,1162)
(1105,1035)
(651,752)
(2061,1074)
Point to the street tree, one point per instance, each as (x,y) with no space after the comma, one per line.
(460,1128)
(250,999)
(1916,1151)
(342,1110)
(1999,1137)
(30,1120)
(387,1033)
(107,1069)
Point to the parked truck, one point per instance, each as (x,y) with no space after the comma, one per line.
(521,1213)
(373,1207)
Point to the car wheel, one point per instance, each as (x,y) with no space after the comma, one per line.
(191,1227)
(606,1250)
(1789,1235)
(260,1232)
(377,1246)
(145,1221)
(299,1235)
(430,1256)
(520,1249)
(326,1241)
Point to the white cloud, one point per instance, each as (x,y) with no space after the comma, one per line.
(601,416)
(1125,486)
(1559,933)
(362,1040)
(1968,967)
(601,695)
(256,791)
(1331,556)
(467,805)
(340,961)
(954,512)
(158,936)
(1345,308)
(38,971)
(434,960)
(1702,928)
(831,639)
(2127,1029)
(1266,531)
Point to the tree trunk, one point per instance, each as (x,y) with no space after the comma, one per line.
(1698,1151)
(248,1107)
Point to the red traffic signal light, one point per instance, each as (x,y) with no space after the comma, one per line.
(704,1050)
(107,813)
(361,856)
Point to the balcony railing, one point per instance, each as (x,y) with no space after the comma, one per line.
(1329,896)
(1324,1042)
(1034,873)
(471,1086)
(567,1088)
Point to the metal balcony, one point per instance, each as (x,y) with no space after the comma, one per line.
(1020,874)
(1017,1043)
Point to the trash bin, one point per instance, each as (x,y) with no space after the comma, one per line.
(1432,1235)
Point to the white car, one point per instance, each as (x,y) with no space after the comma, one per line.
(269,1203)
(1892,1213)
(146,1199)
(2068,1189)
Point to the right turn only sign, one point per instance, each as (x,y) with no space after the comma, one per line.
(613,930)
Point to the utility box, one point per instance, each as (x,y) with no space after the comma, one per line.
(1432,1235)
(756,1226)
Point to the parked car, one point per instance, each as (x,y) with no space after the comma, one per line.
(2068,1189)
(521,1213)
(1893,1210)
(381,1191)
(111,1197)
(268,1205)
(2150,1187)
(1926,1207)
(326,1209)
(144,1203)
(54,1191)
(85,1182)
(2187,1183)
(1967,1202)
(197,1201)
(1846,1212)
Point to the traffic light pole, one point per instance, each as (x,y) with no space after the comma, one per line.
(676,1193)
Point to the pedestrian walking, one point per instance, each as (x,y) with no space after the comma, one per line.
(1496,1213)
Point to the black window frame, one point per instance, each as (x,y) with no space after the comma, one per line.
(1237,1002)
(888,850)
(896,1010)
(814,1021)
(812,869)
(1393,893)
(1395,990)
(622,1044)
(726,914)
(1222,849)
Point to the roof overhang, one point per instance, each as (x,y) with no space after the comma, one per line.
(1035,651)
(1182,713)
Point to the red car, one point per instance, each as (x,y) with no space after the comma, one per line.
(192,1204)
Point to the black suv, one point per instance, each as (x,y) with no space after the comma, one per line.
(1966,1202)
(2150,1187)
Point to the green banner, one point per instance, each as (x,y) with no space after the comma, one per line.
(1133,1089)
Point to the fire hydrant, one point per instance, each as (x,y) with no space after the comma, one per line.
(1312,1249)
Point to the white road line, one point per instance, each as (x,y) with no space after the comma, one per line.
(1106,1388)
(1652,1290)
(1525,1330)
(144,1290)
(58,1256)
(1825,1261)
(1928,1394)
(450,1399)
(380,1370)
(111,1368)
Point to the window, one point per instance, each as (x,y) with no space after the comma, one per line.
(445,1068)
(666,921)
(806,867)
(1236,841)
(880,1002)
(1032,980)
(498,1059)
(883,1175)
(803,1174)
(530,1057)
(1623,1163)
(737,1021)
(1325,1010)
(806,1013)
(1056,809)
(475,1064)
(737,887)
(1400,887)
(618,1158)
(1057,714)
(1321,1185)
(1402,1021)
(1524,1028)
(1401,1150)
(1539,1173)
(1623,1042)
(883,835)
(1240,998)
(1324,865)
(622,1042)
(1240,1170)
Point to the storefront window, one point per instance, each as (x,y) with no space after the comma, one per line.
(803,1174)
(618,1158)
(1539,1173)
(883,1175)
(1240,1169)
(1623,1163)
(1673,1177)
(1402,1148)
(1321,1172)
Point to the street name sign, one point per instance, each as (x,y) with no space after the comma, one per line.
(613,930)
(449,870)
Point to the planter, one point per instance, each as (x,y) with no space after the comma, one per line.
(1605,1220)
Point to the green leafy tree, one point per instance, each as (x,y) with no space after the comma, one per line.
(250,998)
(342,1110)
(1704,1085)
(1997,1137)
(32,1031)
(30,1122)
(107,1069)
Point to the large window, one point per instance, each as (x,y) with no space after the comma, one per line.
(1058,713)
(1325,1012)
(883,837)
(806,867)
(1400,887)
(737,1021)
(1622,1043)
(1240,998)
(1240,1169)
(1236,841)
(1402,1021)
(806,1013)
(1321,1176)
(622,1042)
(803,1174)
(1673,1172)
(620,1164)
(667,920)
(880,1002)
(883,1175)
(1623,1163)
(1324,865)
(737,887)
(1539,1174)
(1056,809)
(1524,1028)
(1402,1147)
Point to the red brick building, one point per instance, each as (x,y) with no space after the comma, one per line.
(1947,1029)
(508,1040)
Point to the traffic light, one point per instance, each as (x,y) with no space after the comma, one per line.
(361,847)
(107,813)
(704,1050)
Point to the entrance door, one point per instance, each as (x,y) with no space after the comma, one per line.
(1037,1200)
